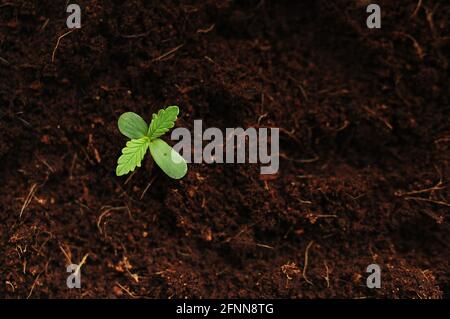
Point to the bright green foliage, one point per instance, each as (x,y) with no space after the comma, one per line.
(132,156)
(168,159)
(132,125)
(143,137)
(163,122)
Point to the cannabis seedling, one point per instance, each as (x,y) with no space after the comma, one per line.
(145,137)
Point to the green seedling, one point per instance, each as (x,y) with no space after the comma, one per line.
(144,137)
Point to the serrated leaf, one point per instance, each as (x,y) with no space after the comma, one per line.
(132,125)
(163,122)
(132,156)
(172,163)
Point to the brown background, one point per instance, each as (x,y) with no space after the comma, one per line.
(364,149)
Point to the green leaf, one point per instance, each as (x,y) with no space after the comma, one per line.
(172,163)
(132,156)
(132,125)
(163,122)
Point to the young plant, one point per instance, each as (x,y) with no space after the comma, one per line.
(145,137)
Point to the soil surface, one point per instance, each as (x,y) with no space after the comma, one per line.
(364,149)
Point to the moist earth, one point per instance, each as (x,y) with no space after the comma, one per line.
(364,149)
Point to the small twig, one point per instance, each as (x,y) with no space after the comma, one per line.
(28,199)
(72,166)
(129,178)
(209,29)
(306,262)
(7,4)
(33,285)
(135,36)
(375,115)
(37,278)
(302,201)
(243,230)
(44,25)
(207,58)
(416,44)
(170,52)
(11,285)
(304,161)
(398,90)
(108,209)
(261,117)
(420,199)
(83,261)
(127,291)
(67,255)
(342,127)
(416,10)
(26,123)
(327,275)
(302,89)
(439,186)
(57,43)
(442,140)
(148,186)
(4,61)
(421,191)
(43,161)
(429,16)
(265,246)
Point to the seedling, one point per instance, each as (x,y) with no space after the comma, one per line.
(145,137)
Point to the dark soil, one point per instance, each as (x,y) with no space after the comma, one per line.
(364,118)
